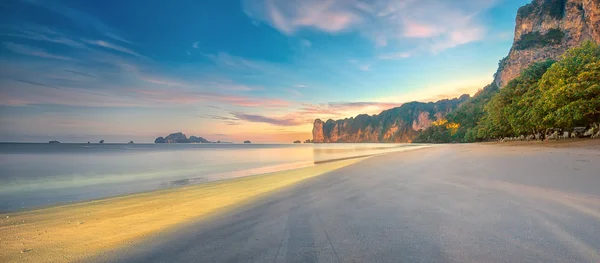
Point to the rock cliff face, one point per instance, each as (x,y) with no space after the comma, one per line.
(400,125)
(545,29)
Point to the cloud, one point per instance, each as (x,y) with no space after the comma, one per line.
(306,43)
(104,44)
(44,34)
(413,29)
(162,81)
(295,92)
(192,97)
(394,56)
(118,38)
(80,19)
(345,109)
(226,61)
(361,66)
(280,121)
(364,67)
(187,52)
(433,24)
(301,86)
(80,73)
(216,117)
(196,44)
(21,93)
(287,17)
(32,51)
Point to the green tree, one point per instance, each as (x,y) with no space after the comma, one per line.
(570,90)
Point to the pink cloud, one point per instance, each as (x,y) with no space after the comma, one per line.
(329,16)
(190,97)
(416,30)
(433,24)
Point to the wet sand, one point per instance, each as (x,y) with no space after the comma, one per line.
(76,232)
(449,203)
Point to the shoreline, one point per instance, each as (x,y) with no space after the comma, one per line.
(25,193)
(77,231)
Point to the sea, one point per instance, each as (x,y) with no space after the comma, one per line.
(35,175)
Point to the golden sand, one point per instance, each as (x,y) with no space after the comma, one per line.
(75,232)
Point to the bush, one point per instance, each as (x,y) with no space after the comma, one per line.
(536,39)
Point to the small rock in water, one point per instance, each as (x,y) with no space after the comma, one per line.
(26,250)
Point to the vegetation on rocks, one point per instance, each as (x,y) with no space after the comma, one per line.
(547,95)
(536,39)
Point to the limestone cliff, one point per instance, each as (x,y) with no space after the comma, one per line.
(400,124)
(545,29)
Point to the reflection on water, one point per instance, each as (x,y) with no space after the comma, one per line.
(41,174)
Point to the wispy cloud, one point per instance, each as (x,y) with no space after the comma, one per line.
(159,81)
(111,46)
(80,19)
(225,60)
(196,44)
(43,34)
(394,56)
(383,21)
(217,117)
(413,29)
(80,73)
(280,121)
(295,92)
(20,93)
(33,51)
(288,18)
(192,97)
(360,65)
(306,43)
(344,109)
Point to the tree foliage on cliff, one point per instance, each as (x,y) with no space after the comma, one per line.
(536,39)
(551,8)
(548,94)
(393,125)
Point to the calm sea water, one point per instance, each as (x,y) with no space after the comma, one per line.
(36,175)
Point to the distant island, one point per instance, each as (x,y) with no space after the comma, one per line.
(247,142)
(101,142)
(53,142)
(297,141)
(180,138)
(308,141)
(130,142)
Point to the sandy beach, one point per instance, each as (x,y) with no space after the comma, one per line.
(76,232)
(447,203)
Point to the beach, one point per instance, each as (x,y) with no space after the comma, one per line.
(447,203)
(76,232)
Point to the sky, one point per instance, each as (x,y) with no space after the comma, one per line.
(234,70)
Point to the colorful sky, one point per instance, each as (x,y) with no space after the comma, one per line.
(234,70)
